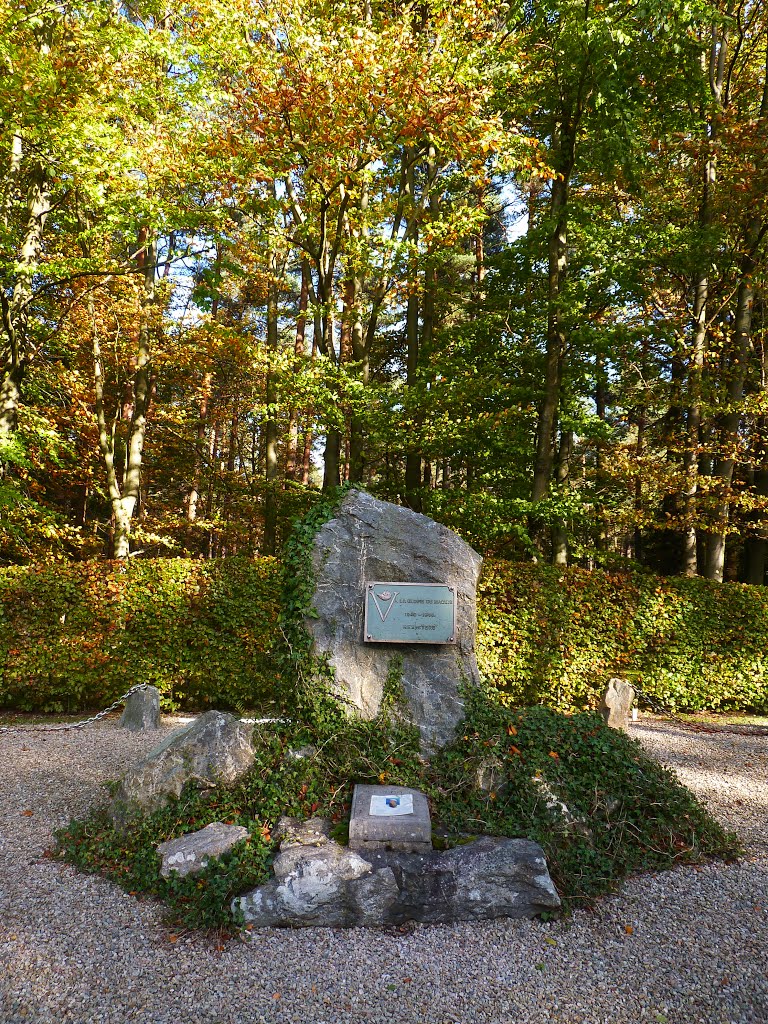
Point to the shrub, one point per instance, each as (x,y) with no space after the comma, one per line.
(77,636)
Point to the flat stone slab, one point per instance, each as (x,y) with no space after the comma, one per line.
(391,818)
(191,853)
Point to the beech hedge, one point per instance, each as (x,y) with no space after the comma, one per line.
(75,636)
(557,635)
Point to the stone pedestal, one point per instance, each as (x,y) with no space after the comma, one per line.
(390,818)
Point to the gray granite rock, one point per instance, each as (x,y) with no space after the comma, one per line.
(616,703)
(330,886)
(215,749)
(190,853)
(142,710)
(371,540)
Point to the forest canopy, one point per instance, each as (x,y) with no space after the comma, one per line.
(505,263)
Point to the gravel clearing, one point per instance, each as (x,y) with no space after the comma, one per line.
(681,947)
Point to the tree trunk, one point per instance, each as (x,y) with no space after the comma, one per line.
(555,347)
(194,493)
(124,499)
(412,456)
(270,427)
(737,371)
(299,351)
(756,546)
(14,349)
(559,533)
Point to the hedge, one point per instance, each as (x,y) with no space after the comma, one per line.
(557,635)
(76,635)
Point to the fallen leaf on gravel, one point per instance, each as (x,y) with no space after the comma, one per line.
(275,995)
(629,929)
(551,942)
(173,938)
(27,814)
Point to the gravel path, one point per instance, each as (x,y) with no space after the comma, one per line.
(681,947)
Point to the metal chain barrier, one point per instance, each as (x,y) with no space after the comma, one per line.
(657,706)
(77,725)
(739,730)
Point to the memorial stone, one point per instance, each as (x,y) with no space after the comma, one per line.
(415,582)
(390,817)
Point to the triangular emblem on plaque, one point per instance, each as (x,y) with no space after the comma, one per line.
(384,602)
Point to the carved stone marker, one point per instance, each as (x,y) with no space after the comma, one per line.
(390,817)
(616,703)
(368,541)
(142,710)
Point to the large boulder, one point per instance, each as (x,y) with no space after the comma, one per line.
(327,885)
(214,750)
(370,540)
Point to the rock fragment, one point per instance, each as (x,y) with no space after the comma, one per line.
(192,852)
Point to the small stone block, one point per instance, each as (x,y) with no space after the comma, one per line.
(142,710)
(190,853)
(391,818)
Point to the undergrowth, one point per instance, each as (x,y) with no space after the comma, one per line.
(626,812)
